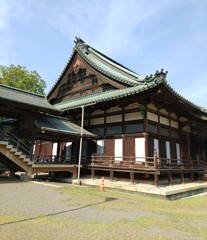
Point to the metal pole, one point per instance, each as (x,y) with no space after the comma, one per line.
(80,146)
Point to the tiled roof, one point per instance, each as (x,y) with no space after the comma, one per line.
(184,99)
(25,97)
(150,82)
(114,70)
(105,96)
(51,123)
(107,66)
(103,64)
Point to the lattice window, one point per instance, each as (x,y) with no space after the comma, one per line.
(164,132)
(174,134)
(134,128)
(152,128)
(99,131)
(113,130)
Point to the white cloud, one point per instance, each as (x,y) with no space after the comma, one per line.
(125,26)
(10,11)
(76,18)
(113,26)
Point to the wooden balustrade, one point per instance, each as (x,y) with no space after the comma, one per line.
(155,162)
(54,159)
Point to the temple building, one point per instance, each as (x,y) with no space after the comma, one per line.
(118,123)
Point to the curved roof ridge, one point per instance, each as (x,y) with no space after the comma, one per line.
(107,65)
(114,63)
(201,108)
(97,67)
(162,75)
(83,49)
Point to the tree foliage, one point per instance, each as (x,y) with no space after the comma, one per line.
(19,77)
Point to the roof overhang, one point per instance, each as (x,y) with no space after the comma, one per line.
(51,124)
(15,102)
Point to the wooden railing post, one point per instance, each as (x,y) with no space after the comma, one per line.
(155,159)
(155,167)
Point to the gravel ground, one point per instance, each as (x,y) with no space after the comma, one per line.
(43,212)
(32,200)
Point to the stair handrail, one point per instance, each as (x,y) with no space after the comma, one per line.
(15,141)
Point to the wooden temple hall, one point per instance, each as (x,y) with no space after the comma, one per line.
(102,119)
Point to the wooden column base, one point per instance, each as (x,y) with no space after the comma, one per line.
(111,175)
(169,178)
(156,180)
(92,173)
(132,177)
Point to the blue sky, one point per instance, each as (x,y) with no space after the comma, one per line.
(143,35)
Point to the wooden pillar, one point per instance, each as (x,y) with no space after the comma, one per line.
(169,178)
(156,180)
(92,173)
(111,175)
(155,160)
(192,177)
(29,174)
(132,177)
(182,177)
(11,173)
(31,155)
(146,132)
(188,143)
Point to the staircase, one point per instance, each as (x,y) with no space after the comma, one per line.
(14,159)
(14,156)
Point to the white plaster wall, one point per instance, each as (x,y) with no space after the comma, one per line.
(164,121)
(114,118)
(174,124)
(95,121)
(152,116)
(133,116)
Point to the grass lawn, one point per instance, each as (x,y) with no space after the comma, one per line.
(152,218)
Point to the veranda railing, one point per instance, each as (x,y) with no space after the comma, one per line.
(154,162)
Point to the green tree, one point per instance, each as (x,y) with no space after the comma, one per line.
(19,77)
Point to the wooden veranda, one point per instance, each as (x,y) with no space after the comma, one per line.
(154,166)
